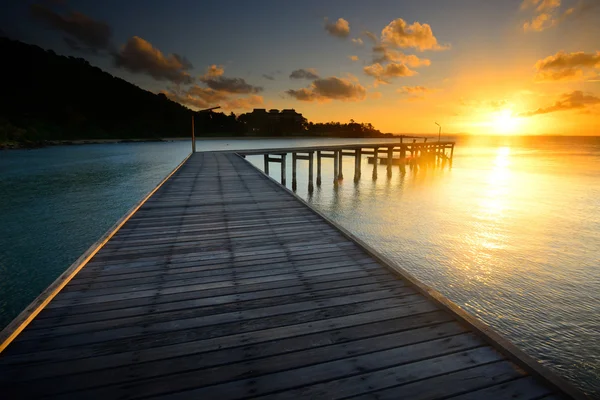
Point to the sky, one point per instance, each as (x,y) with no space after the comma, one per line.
(480,67)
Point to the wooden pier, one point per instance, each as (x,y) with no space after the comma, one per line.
(222,284)
(413,154)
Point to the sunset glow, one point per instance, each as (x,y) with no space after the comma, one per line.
(506,68)
(505,123)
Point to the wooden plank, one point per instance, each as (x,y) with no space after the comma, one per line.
(226,323)
(287,287)
(238,301)
(119,352)
(247,347)
(525,388)
(307,378)
(187,369)
(450,384)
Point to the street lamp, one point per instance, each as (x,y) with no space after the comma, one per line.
(194,129)
(439,131)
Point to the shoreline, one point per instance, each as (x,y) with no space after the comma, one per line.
(30,145)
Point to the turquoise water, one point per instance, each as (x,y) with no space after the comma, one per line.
(511,233)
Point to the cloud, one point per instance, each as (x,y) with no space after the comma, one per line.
(420,36)
(548,14)
(540,23)
(563,60)
(414,93)
(371,36)
(332,88)
(354,58)
(81,32)
(269,77)
(383,74)
(414,90)
(244,103)
(213,71)
(139,56)
(200,97)
(383,55)
(339,28)
(304,73)
(566,66)
(228,85)
(568,101)
(358,41)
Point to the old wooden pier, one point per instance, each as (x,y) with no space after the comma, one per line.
(222,284)
(412,154)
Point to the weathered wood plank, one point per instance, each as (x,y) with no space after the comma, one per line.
(453,383)
(526,388)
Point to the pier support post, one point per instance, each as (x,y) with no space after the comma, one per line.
(451,154)
(311,188)
(319,168)
(357,164)
(336,159)
(340,158)
(390,155)
(403,159)
(266,164)
(375,162)
(283,168)
(294,162)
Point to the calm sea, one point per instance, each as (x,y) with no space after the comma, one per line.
(511,233)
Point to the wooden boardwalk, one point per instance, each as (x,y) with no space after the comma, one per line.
(223,285)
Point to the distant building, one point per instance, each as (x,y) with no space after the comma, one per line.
(274,122)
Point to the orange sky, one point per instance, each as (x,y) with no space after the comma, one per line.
(480,67)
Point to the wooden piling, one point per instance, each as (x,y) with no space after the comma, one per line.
(357,164)
(283,168)
(402,159)
(451,154)
(266,160)
(336,160)
(390,155)
(294,162)
(319,168)
(340,163)
(375,162)
(311,187)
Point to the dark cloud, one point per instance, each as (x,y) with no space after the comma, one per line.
(139,56)
(302,73)
(566,66)
(269,77)
(563,60)
(567,101)
(332,88)
(81,32)
(230,85)
(200,97)
(339,28)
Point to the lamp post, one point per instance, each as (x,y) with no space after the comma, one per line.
(439,132)
(193,127)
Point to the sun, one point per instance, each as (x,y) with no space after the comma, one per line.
(505,123)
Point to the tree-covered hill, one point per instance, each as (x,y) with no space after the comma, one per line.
(44,96)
